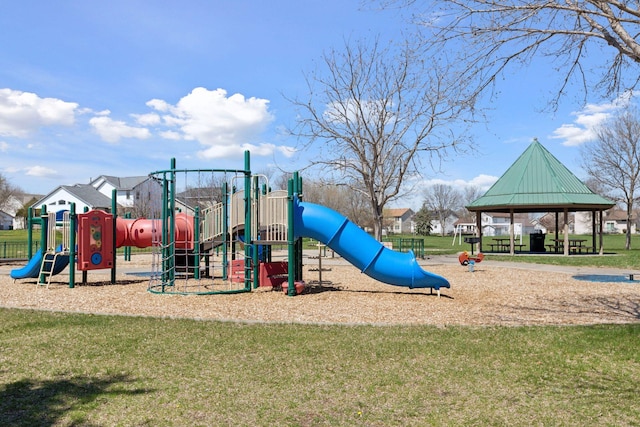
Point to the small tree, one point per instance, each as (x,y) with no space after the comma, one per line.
(613,160)
(422,220)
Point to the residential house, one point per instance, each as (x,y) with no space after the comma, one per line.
(139,195)
(6,221)
(85,197)
(615,221)
(399,220)
(446,228)
(11,208)
(497,224)
(579,222)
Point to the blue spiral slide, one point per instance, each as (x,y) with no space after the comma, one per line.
(360,249)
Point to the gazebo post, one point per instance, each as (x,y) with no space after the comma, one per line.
(601,250)
(511,234)
(593,231)
(566,231)
(479,229)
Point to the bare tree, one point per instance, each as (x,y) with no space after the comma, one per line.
(373,114)
(491,35)
(613,160)
(8,193)
(281,182)
(468,195)
(442,200)
(339,198)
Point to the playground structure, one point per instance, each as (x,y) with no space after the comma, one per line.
(213,239)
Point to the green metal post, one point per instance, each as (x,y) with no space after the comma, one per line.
(72,244)
(165,217)
(172,223)
(299,243)
(291,269)
(196,243)
(247,222)
(114,252)
(44,221)
(256,244)
(225,229)
(29,234)
(127,249)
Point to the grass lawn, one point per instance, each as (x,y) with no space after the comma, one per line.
(60,369)
(74,369)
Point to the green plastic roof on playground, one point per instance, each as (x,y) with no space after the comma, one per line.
(538,182)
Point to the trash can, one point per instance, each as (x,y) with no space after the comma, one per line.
(536,242)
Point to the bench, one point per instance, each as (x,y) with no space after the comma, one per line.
(555,247)
(501,247)
(578,249)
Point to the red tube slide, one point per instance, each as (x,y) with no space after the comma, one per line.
(142,232)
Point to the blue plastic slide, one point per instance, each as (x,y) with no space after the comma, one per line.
(362,250)
(32,269)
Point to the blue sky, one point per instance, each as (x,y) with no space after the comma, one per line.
(120,87)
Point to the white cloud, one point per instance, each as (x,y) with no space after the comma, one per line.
(159,105)
(21,113)
(482,181)
(41,171)
(218,152)
(172,135)
(224,125)
(585,126)
(150,119)
(114,130)
(4,147)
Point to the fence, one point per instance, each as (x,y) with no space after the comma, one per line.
(404,244)
(16,250)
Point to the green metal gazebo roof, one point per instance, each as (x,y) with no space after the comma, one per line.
(538,182)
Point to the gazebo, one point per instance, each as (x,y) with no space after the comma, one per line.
(538,182)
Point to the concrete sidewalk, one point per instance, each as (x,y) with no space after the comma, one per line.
(452,259)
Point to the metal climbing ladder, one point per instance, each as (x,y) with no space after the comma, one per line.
(48,265)
(53,252)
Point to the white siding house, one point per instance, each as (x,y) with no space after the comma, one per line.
(131,193)
(6,221)
(399,220)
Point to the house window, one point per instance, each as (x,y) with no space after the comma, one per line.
(128,194)
(62,202)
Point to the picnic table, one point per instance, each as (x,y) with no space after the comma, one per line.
(575,246)
(502,244)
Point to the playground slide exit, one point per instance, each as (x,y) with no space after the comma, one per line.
(32,269)
(360,249)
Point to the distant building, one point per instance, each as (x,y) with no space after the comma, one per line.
(615,221)
(11,208)
(139,195)
(6,221)
(398,220)
(450,220)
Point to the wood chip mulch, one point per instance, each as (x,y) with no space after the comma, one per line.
(491,295)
